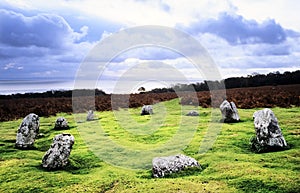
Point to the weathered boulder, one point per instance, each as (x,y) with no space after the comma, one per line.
(90,115)
(229,112)
(28,132)
(61,123)
(147,110)
(162,166)
(193,113)
(268,132)
(58,154)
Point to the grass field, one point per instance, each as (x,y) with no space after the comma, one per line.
(229,166)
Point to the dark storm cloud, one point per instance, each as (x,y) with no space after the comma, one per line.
(42,30)
(237,30)
(40,45)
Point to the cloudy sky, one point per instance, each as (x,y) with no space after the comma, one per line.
(43,43)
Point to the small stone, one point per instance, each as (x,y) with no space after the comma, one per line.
(268,132)
(192,113)
(61,123)
(147,110)
(229,112)
(58,154)
(90,115)
(162,166)
(27,132)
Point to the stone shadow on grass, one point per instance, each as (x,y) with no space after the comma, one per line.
(257,148)
(231,121)
(190,171)
(78,164)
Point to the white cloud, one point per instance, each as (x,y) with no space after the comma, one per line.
(131,12)
(12,65)
(169,12)
(83,32)
(242,60)
(178,69)
(9,66)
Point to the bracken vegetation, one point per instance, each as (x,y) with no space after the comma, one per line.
(253,97)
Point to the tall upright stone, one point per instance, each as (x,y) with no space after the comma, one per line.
(229,112)
(268,132)
(58,154)
(90,115)
(27,132)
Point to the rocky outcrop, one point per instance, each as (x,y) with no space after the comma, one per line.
(229,112)
(162,166)
(192,113)
(58,154)
(61,123)
(147,110)
(27,132)
(268,133)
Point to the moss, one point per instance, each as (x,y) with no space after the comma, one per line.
(229,166)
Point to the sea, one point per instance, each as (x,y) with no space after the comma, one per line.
(8,87)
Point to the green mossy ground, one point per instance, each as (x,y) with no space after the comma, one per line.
(229,166)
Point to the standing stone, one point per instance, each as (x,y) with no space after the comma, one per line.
(28,132)
(268,132)
(61,123)
(192,113)
(90,115)
(229,112)
(162,166)
(58,154)
(147,110)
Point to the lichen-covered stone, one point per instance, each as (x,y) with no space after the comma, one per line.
(229,112)
(27,132)
(61,123)
(58,154)
(147,110)
(163,166)
(90,115)
(268,132)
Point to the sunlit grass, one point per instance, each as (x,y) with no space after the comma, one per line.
(228,166)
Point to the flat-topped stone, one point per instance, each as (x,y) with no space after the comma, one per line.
(162,166)
(192,113)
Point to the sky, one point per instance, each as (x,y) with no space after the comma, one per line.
(44,43)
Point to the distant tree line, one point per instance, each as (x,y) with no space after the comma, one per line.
(254,80)
(56,94)
(271,79)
